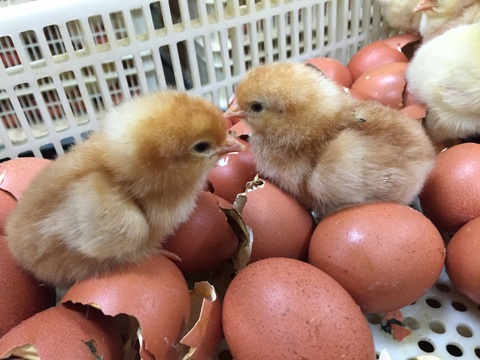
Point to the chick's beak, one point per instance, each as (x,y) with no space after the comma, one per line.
(424,5)
(231,144)
(234,112)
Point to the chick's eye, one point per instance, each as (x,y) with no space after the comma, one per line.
(201,147)
(257,107)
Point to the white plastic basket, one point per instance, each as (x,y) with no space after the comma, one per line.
(62,64)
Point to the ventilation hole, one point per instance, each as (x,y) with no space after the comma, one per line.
(437,327)
(477,352)
(374,319)
(459,306)
(443,287)
(426,346)
(433,303)
(465,331)
(27,153)
(411,323)
(454,350)
(48,151)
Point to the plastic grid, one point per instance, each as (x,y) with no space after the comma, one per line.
(72,60)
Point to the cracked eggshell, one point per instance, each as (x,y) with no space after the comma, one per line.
(154,292)
(205,240)
(22,295)
(407,43)
(280,225)
(206,329)
(462,265)
(232,172)
(386,255)
(333,69)
(60,332)
(282,308)
(385,84)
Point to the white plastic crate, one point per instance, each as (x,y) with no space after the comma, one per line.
(64,63)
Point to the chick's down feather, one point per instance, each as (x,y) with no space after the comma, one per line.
(326,148)
(113,198)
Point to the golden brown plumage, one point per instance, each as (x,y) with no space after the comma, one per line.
(326,148)
(113,198)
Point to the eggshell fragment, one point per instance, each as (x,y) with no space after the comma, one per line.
(415,111)
(407,43)
(333,69)
(386,255)
(64,332)
(282,308)
(16,174)
(7,204)
(451,195)
(373,55)
(154,292)
(384,84)
(280,225)
(462,265)
(22,295)
(241,129)
(206,239)
(206,333)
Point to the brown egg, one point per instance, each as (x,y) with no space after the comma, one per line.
(281,227)
(206,240)
(7,204)
(333,69)
(16,174)
(451,195)
(384,84)
(415,111)
(282,308)
(22,295)
(154,292)
(407,43)
(206,332)
(73,332)
(462,265)
(232,172)
(373,55)
(386,255)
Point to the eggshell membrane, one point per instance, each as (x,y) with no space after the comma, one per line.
(154,292)
(384,84)
(205,240)
(17,174)
(451,195)
(386,255)
(333,69)
(282,308)
(7,204)
(462,265)
(232,172)
(22,295)
(206,333)
(281,226)
(372,56)
(66,333)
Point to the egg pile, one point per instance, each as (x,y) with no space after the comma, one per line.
(258,271)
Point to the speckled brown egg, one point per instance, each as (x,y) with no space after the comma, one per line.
(386,255)
(232,172)
(282,308)
(205,240)
(384,84)
(153,292)
(462,265)
(333,69)
(451,195)
(74,332)
(21,295)
(281,226)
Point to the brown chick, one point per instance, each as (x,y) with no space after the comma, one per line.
(113,198)
(326,148)
(438,16)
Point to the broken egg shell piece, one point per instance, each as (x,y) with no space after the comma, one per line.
(153,292)
(241,129)
(415,111)
(16,174)
(206,320)
(7,204)
(79,331)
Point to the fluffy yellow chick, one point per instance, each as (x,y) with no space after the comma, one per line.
(444,74)
(400,15)
(326,148)
(113,198)
(439,16)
